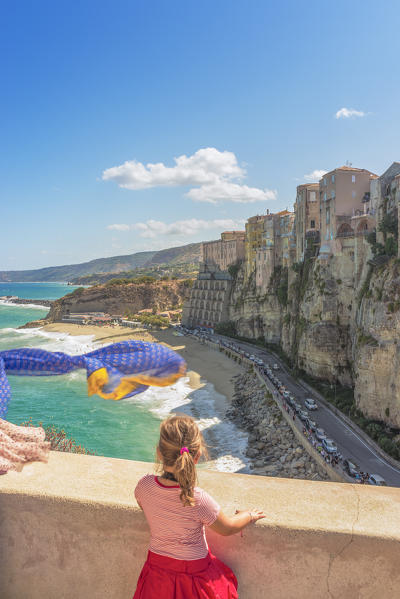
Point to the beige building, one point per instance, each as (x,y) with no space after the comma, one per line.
(344,206)
(209,300)
(225,251)
(277,246)
(307,222)
(254,240)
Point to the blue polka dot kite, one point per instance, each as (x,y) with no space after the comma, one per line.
(115,371)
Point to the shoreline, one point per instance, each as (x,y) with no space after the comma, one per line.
(212,366)
(211,380)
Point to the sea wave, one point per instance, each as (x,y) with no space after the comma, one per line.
(51,341)
(15,305)
(227,444)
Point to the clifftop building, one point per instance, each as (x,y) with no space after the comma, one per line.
(344,204)
(208,302)
(307,223)
(225,251)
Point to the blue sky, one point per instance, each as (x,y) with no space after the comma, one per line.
(93,92)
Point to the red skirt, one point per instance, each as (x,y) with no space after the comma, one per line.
(167,578)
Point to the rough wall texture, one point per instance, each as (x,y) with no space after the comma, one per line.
(255,314)
(376,346)
(72,529)
(339,321)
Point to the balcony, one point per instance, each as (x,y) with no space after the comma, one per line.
(345,234)
(312,233)
(71,529)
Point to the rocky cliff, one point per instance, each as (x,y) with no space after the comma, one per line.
(121,299)
(337,319)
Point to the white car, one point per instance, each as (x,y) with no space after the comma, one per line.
(275,367)
(310,404)
(329,445)
(377,480)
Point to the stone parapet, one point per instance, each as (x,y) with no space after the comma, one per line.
(72,529)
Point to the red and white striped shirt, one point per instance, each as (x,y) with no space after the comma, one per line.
(176,530)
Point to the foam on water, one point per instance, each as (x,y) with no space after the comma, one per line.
(110,428)
(227,444)
(14,305)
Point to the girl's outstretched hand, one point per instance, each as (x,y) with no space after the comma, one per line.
(254,514)
(230,525)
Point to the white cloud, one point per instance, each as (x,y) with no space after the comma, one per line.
(154,228)
(315,175)
(119,227)
(215,177)
(346,113)
(233,192)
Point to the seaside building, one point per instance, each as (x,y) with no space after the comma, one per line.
(223,252)
(277,246)
(255,228)
(208,302)
(285,246)
(344,207)
(307,222)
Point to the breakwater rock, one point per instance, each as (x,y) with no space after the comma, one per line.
(273,449)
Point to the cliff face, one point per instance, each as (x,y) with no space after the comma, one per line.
(255,314)
(338,321)
(121,299)
(376,346)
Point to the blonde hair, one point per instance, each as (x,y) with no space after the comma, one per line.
(177,432)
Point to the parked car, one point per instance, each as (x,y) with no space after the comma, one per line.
(329,445)
(310,404)
(275,367)
(320,434)
(376,479)
(298,407)
(303,415)
(291,401)
(311,425)
(351,468)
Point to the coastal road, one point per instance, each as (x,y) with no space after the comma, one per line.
(349,443)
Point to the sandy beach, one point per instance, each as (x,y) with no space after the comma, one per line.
(204,364)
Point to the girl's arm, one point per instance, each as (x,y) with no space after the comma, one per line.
(230,525)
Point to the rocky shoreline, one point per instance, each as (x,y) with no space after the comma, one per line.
(273,449)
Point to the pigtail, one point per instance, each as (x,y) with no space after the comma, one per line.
(185,474)
(180,443)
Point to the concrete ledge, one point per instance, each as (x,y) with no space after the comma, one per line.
(71,529)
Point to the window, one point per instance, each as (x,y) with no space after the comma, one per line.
(325,196)
(353,178)
(353,194)
(324,180)
(333,178)
(328,216)
(312,224)
(333,194)
(312,196)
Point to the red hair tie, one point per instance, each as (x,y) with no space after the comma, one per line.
(183,449)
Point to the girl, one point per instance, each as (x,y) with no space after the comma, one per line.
(179,564)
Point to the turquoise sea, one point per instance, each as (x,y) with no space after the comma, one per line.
(126,429)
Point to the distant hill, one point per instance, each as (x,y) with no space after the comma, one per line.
(180,255)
